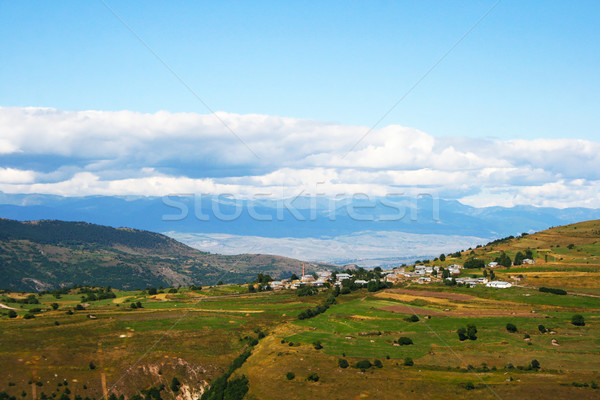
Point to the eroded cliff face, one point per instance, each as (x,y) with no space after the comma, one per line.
(194,378)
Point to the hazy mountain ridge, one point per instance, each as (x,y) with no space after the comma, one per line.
(47,254)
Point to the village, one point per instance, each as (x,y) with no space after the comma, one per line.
(418,273)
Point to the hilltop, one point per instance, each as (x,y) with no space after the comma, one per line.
(45,254)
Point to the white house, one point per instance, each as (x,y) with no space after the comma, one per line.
(361,282)
(341,277)
(498,284)
(528,261)
(493,264)
(324,275)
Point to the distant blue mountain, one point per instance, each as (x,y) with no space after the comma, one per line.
(302,218)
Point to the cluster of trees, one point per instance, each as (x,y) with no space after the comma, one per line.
(31,299)
(94,294)
(473,263)
(313,312)
(470,332)
(364,365)
(553,290)
(504,260)
(231,389)
(55,232)
(376,285)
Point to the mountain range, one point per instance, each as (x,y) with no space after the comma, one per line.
(366,231)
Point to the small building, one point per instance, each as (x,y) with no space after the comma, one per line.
(528,261)
(324,275)
(360,282)
(493,264)
(341,277)
(499,284)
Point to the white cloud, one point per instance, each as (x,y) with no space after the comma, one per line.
(130,153)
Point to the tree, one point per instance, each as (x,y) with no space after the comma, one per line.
(138,304)
(469,386)
(462,334)
(363,365)
(251,288)
(12,314)
(54,306)
(313,377)
(442,257)
(504,260)
(529,254)
(535,364)
(409,362)
(219,283)
(343,363)
(175,384)
(578,320)
(378,363)
(133,306)
(152,291)
(512,328)
(413,318)
(473,263)
(519,257)
(294,277)
(290,375)
(92,365)
(236,389)
(405,341)
(317,345)
(472,332)
(542,329)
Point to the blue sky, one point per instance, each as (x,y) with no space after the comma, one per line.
(511,115)
(528,70)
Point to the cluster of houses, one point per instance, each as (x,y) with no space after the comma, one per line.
(322,278)
(422,274)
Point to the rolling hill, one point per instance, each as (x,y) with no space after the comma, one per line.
(566,256)
(40,255)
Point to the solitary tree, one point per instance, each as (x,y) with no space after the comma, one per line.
(54,306)
(175,384)
(578,320)
(471,332)
(511,327)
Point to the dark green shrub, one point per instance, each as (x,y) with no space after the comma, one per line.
(290,376)
(409,362)
(313,377)
(343,363)
(378,363)
(512,328)
(404,341)
(578,320)
(363,364)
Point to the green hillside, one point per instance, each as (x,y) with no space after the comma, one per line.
(42,255)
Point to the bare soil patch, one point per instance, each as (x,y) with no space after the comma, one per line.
(439,295)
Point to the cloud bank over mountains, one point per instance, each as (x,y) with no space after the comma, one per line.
(79,153)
